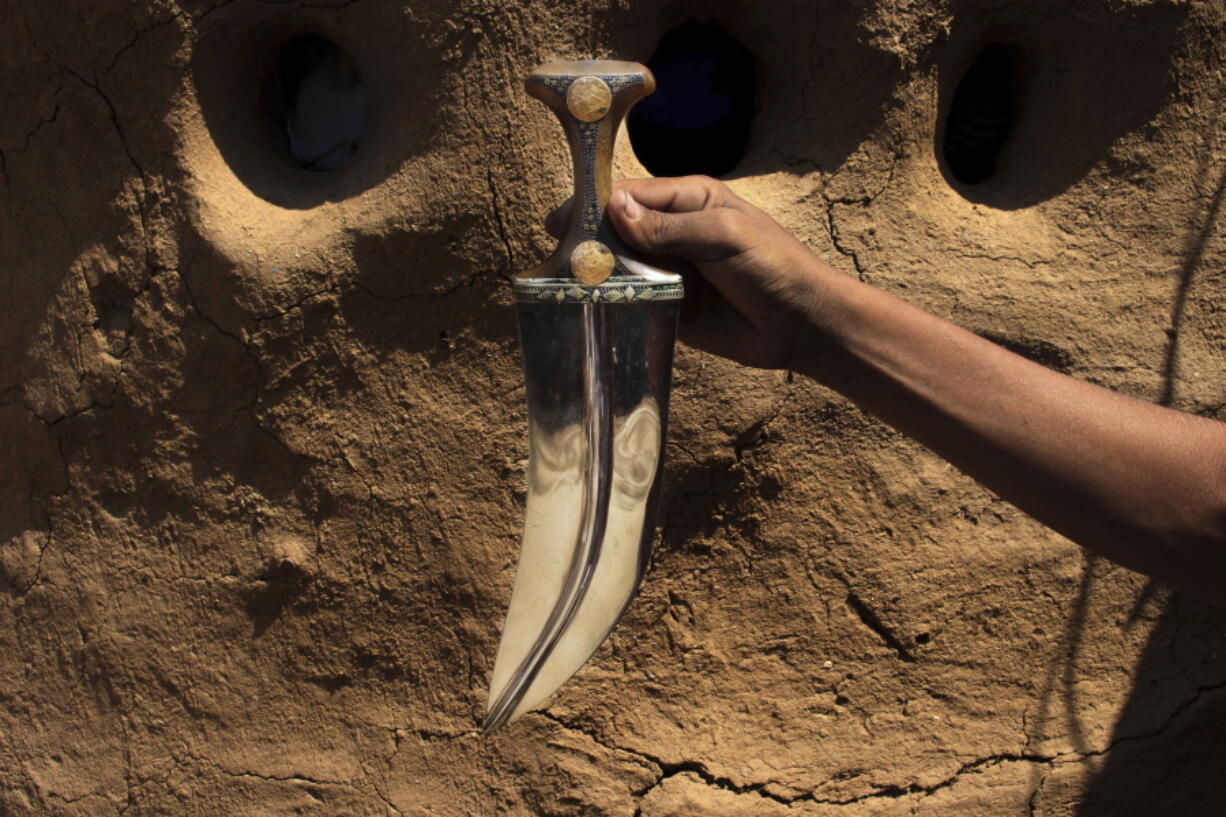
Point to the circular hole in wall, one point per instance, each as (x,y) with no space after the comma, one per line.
(314,104)
(295,106)
(698,120)
(981,116)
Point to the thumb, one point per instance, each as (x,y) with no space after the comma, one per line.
(700,235)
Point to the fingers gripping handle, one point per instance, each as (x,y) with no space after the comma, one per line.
(591,99)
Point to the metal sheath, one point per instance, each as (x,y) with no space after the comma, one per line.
(598,466)
(597,381)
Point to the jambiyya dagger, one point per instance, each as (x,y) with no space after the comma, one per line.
(597,327)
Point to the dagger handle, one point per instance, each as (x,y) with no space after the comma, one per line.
(590,99)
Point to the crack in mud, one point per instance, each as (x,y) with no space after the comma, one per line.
(123,141)
(669,769)
(832,227)
(55,112)
(500,223)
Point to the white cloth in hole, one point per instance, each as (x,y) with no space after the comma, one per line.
(326,117)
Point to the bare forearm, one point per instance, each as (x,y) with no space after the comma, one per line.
(1138,483)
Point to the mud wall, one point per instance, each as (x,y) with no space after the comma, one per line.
(262,428)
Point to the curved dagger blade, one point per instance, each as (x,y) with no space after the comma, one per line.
(588,528)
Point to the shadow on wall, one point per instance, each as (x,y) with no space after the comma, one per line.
(1030,100)
(1165,748)
(1194,253)
(417,290)
(823,89)
(1167,755)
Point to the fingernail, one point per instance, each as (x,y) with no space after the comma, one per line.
(633,211)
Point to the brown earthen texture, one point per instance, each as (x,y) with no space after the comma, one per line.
(263,430)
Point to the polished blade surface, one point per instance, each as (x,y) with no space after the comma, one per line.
(597,384)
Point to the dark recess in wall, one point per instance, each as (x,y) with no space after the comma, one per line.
(981,116)
(314,103)
(699,118)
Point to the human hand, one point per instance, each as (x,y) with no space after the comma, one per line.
(750,284)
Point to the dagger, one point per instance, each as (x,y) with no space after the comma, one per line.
(597,327)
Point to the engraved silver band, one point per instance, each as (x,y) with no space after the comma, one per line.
(615,290)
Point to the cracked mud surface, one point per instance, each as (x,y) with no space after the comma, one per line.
(262,431)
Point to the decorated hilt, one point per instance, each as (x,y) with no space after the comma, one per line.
(590,98)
